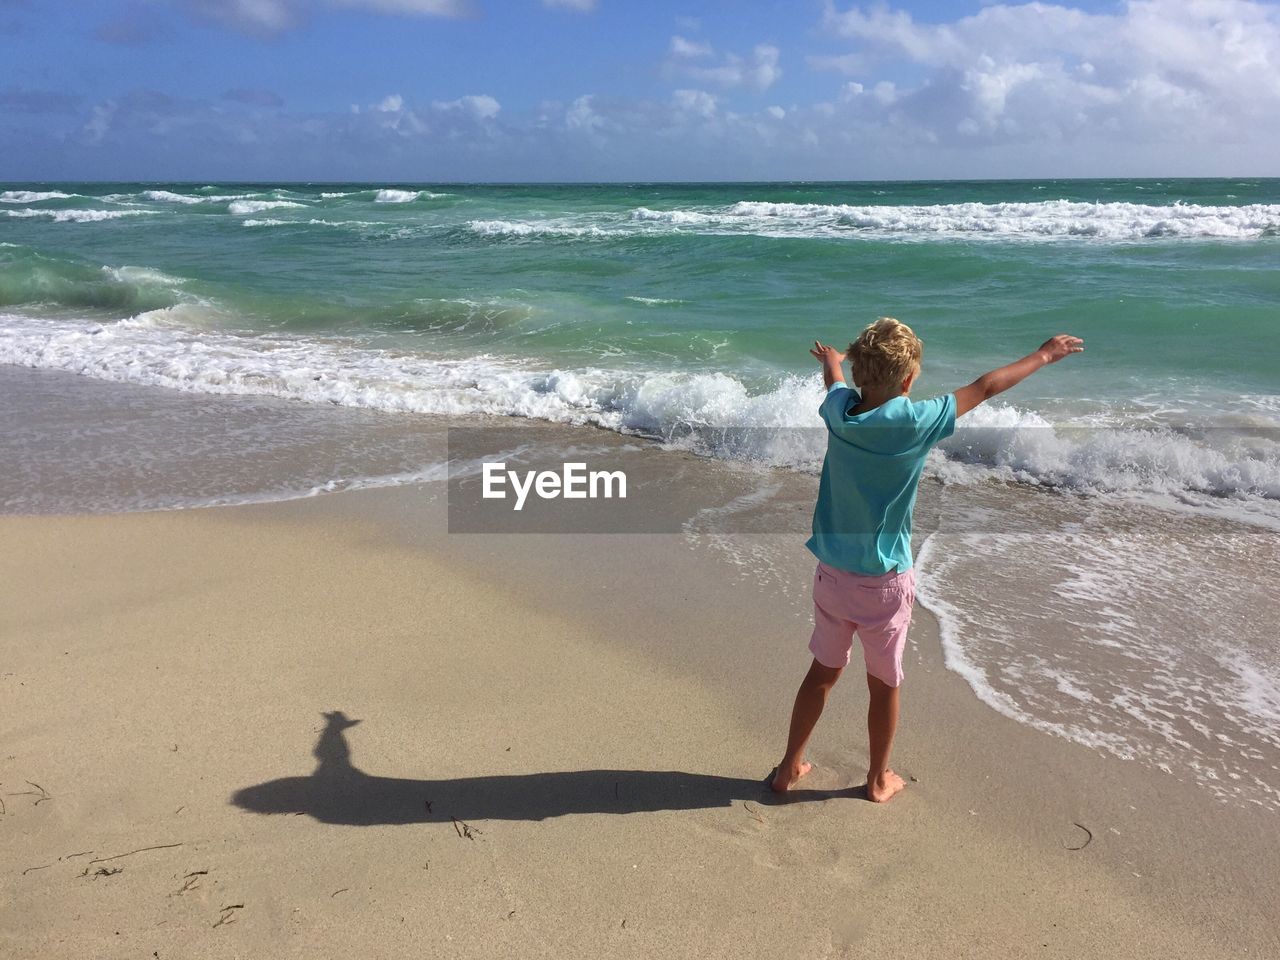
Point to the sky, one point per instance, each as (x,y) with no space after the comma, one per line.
(600,90)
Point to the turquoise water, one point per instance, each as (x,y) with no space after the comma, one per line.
(671,309)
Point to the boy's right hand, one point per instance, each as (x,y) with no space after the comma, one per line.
(1055,348)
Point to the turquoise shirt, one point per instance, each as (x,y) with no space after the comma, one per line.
(862,522)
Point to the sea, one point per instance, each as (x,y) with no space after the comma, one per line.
(1109,572)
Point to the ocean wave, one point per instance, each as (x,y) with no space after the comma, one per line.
(143,276)
(77,216)
(34,196)
(242,207)
(654,301)
(313,222)
(1011,444)
(365,229)
(397,196)
(678,217)
(533,228)
(165,196)
(713,414)
(406,196)
(27,277)
(168,196)
(1052,219)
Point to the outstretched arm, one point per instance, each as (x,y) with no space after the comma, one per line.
(998,381)
(830,358)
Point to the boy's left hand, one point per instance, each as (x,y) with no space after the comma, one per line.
(825,354)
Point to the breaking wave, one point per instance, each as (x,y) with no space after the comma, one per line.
(401,196)
(33,196)
(713,414)
(77,216)
(533,228)
(241,207)
(1052,219)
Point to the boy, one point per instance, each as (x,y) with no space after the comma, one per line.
(877,440)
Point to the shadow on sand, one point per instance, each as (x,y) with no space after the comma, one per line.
(338,792)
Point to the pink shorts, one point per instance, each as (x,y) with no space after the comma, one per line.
(878,608)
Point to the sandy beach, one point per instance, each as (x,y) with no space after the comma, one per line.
(327,728)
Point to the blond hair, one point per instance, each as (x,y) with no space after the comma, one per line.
(885,354)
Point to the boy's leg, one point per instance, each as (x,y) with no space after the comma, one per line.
(882,720)
(810,700)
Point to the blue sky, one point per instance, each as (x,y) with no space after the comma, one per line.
(618,89)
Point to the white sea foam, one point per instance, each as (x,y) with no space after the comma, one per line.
(1011,444)
(34,196)
(654,301)
(168,196)
(77,216)
(313,222)
(711,413)
(142,276)
(1047,220)
(150,348)
(678,217)
(1052,219)
(431,473)
(242,207)
(397,196)
(533,228)
(406,196)
(1153,689)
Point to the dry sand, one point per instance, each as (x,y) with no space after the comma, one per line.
(559,753)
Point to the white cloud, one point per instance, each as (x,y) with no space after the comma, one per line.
(257,16)
(411,8)
(776,112)
(698,61)
(849,63)
(695,102)
(100,121)
(885,92)
(1169,70)
(480,106)
(689,49)
(391,113)
(582,6)
(275,16)
(581,115)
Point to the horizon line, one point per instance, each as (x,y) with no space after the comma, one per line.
(633,182)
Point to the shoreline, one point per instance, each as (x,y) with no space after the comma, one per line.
(649,660)
(306,448)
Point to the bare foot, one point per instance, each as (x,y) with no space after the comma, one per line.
(883,788)
(786,776)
